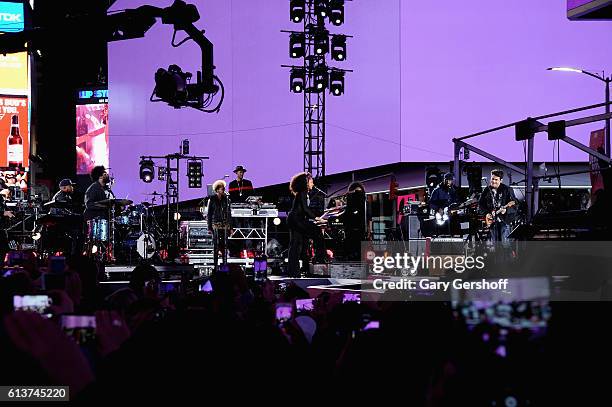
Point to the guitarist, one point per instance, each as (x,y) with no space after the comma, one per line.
(497,202)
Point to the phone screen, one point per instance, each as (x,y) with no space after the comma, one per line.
(304,305)
(351,297)
(81,328)
(32,303)
(284,312)
(372,325)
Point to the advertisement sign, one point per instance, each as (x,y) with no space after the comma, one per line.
(13,67)
(91,136)
(14,131)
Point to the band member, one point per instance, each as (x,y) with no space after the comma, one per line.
(497,203)
(240,188)
(64,195)
(99,190)
(6,215)
(219,220)
(445,194)
(301,224)
(356,220)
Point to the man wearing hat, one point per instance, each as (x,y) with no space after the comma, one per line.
(240,188)
(64,195)
(445,194)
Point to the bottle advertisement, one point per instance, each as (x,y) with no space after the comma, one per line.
(14,148)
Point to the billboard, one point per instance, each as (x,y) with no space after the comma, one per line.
(13,67)
(91,136)
(14,131)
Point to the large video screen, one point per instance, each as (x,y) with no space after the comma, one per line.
(91,136)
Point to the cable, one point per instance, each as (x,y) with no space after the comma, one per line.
(180,43)
(209,132)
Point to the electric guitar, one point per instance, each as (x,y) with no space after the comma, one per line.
(490,218)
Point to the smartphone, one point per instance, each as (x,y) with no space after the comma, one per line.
(351,297)
(32,303)
(81,328)
(304,305)
(206,287)
(284,312)
(371,325)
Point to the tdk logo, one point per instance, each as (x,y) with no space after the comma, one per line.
(11,18)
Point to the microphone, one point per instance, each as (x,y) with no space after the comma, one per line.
(321,191)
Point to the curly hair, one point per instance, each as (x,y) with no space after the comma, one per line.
(299,182)
(218,184)
(97,172)
(354,185)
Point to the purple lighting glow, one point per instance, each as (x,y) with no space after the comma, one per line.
(424,73)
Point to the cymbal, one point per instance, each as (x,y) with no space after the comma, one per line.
(58,204)
(107,203)
(154,193)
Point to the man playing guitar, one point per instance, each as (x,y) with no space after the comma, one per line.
(497,203)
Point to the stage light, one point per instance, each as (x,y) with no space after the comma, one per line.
(321,41)
(336,83)
(433,177)
(276,221)
(147,170)
(161,173)
(320,7)
(94,249)
(185,146)
(321,79)
(194,173)
(298,79)
(338,47)
(297,10)
(336,12)
(297,45)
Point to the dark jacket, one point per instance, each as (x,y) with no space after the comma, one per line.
(240,191)
(219,210)
(356,215)
(96,193)
(488,203)
(442,197)
(61,196)
(300,211)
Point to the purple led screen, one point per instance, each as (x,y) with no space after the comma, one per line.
(425,72)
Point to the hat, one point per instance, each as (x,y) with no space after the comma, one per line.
(66,182)
(239,168)
(449,175)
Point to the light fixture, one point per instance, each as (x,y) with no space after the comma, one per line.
(320,8)
(321,79)
(336,83)
(297,45)
(336,12)
(338,47)
(296,8)
(147,170)
(565,69)
(321,42)
(276,221)
(297,80)
(194,173)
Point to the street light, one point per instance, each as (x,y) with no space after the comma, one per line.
(604,80)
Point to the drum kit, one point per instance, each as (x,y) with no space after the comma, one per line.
(128,234)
